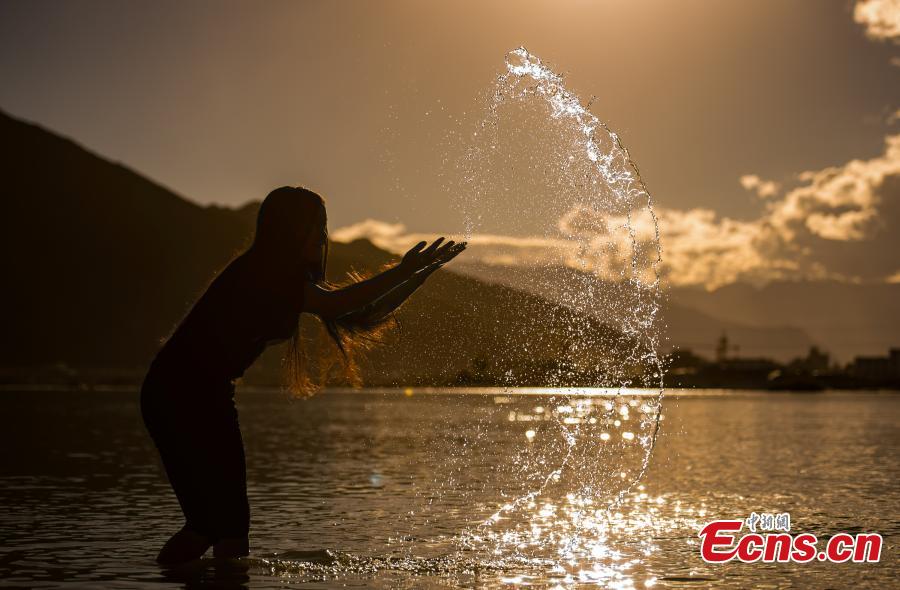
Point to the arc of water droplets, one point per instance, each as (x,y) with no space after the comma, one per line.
(622,176)
(625,181)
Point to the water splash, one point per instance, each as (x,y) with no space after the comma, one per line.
(541,160)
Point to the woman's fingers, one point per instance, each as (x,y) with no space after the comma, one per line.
(439,251)
(450,246)
(446,254)
(442,250)
(415,249)
(434,245)
(413,257)
(451,252)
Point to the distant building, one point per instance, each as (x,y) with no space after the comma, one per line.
(683,361)
(816,362)
(878,368)
(724,348)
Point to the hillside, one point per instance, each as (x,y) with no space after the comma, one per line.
(99,261)
(780,320)
(101,264)
(686,326)
(845,319)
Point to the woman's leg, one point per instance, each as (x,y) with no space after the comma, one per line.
(228,475)
(160,418)
(203,453)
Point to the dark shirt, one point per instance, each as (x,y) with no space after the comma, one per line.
(242,311)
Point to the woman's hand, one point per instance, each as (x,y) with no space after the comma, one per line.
(415,267)
(439,256)
(433,257)
(451,252)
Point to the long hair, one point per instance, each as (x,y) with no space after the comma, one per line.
(286,219)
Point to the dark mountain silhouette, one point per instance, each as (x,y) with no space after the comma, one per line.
(101,263)
(779,320)
(846,319)
(685,326)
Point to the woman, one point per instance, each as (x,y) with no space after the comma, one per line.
(187,398)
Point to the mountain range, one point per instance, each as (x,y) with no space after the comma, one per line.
(100,263)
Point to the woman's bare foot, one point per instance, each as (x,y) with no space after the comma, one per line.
(185,545)
(232,548)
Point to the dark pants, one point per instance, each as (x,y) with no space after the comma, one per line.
(199,440)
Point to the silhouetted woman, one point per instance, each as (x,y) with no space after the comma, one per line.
(187,398)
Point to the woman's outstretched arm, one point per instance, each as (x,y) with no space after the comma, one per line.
(379,309)
(339,302)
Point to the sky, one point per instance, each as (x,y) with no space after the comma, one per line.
(766,131)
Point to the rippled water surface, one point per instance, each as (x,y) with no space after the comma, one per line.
(388,489)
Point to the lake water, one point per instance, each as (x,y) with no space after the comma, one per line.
(379,489)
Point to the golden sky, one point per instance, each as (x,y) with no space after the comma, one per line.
(765,130)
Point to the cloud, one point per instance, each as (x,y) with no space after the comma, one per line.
(840,202)
(379,233)
(580,220)
(881,18)
(763,188)
(488,248)
(841,222)
(700,248)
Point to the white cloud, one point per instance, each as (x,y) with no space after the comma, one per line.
(881,18)
(377,232)
(763,188)
(840,202)
(840,222)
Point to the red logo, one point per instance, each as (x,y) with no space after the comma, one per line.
(720,543)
